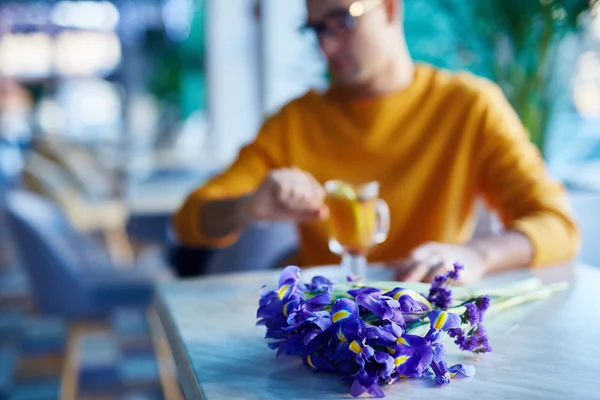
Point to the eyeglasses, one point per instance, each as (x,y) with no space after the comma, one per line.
(338,20)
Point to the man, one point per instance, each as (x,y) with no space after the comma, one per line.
(435,141)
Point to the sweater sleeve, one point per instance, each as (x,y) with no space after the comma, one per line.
(514,181)
(253,163)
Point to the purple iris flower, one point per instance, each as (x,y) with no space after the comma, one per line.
(443,373)
(412,304)
(289,279)
(412,355)
(385,336)
(374,366)
(384,307)
(347,325)
(318,283)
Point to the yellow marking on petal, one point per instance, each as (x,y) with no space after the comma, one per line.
(399,294)
(390,350)
(403,341)
(452,374)
(440,320)
(339,315)
(400,360)
(403,376)
(285,311)
(341,336)
(355,347)
(309,361)
(282,290)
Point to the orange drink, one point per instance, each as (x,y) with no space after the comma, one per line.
(358,220)
(352,222)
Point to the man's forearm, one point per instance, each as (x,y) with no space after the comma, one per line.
(220,218)
(509,250)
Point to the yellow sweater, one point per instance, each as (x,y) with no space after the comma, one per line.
(435,147)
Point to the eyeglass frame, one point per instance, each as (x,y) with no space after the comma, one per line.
(349,17)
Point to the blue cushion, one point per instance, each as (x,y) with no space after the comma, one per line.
(43,389)
(8,362)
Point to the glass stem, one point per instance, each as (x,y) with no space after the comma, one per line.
(354,265)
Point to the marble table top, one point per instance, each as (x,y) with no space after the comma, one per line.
(546,350)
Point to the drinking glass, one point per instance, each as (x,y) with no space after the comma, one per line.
(358,221)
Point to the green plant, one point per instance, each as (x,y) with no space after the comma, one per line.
(525,37)
(513,42)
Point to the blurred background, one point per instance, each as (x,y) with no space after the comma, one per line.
(111,111)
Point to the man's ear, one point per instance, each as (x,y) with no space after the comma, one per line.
(392,9)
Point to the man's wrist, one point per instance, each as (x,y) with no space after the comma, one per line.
(245,213)
(484,252)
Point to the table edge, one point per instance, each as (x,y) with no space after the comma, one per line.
(187,377)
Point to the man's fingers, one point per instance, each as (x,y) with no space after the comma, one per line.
(440,269)
(418,272)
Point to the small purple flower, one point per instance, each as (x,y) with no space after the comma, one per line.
(439,294)
(471,315)
(483,303)
(476,341)
(455,273)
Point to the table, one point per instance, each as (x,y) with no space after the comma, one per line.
(547,350)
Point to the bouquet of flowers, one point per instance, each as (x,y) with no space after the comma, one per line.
(378,333)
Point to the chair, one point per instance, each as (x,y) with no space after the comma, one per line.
(69,276)
(44,176)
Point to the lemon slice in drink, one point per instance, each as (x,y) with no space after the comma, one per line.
(344,190)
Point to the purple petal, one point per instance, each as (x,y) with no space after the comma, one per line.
(363,291)
(292,346)
(381,336)
(350,329)
(439,352)
(319,363)
(319,283)
(357,389)
(385,308)
(288,282)
(343,308)
(442,376)
(443,320)
(316,303)
(290,273)
(460,370)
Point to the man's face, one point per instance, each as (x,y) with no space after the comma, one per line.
(355,48)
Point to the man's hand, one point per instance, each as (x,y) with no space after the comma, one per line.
(287,194)
(509,250)
(431,259)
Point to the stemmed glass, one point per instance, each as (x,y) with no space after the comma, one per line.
(358,221)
